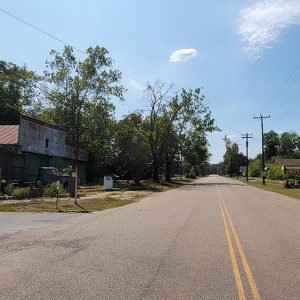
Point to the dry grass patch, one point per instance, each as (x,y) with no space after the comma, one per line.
(89,205)
(274,186)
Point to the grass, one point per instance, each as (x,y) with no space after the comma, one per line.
(273,186)
(145,185)
(97,203)
(64,205)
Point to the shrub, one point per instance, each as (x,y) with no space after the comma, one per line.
(255,168)
(293,174)
(50,191)
(289,183)
(20,193)
(275,173)
(192,173)
(8,189)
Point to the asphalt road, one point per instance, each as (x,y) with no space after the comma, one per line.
(215,239)
(11,222)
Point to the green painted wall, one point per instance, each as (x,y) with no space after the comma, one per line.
(18,167)
(35,161)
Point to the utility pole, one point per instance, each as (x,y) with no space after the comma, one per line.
(231,161)
(261,117)
(247,136)
(76,156)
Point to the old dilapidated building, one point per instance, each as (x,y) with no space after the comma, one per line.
(32,144)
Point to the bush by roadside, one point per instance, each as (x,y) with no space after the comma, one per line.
(20,193)
(255,168)
(191,174)
(50,191)
(275,173)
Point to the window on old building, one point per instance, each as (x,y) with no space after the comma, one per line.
(47,143)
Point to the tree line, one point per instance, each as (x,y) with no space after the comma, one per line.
(276,145)
(232,160)
(77,95)
(283,145)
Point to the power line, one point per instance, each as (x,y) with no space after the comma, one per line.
(60,40)
(276,94)
(235,130)
(40,30)
(284,95)
(283,112)
(33,82)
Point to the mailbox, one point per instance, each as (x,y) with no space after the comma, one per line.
(108,183)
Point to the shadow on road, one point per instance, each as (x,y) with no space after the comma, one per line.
(210,184)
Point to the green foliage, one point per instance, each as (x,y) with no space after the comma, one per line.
(172,116)
(98,134)
(293,174)
(17,91)
(289,183)
(20,193)
(232,158)
(192,173)
(255,168)
(195,150)
(271,141)
(133,148)
(66,171)
(289,142)
(79,86)
(8,189)
(79,100)
(275,173)
(285,145)
(50,191)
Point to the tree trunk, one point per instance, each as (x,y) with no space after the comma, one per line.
(155,171)
(168,171)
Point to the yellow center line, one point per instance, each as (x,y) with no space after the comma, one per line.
(245,263)
(236,272)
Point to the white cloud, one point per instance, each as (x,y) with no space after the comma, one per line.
(262,24)
(182,55)
(135,84)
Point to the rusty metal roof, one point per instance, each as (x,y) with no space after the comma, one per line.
(9,134)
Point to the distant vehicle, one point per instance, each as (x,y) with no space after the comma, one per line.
(48,175)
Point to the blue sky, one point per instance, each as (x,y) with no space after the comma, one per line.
(240,52)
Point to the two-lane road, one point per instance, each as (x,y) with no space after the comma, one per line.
(215,239)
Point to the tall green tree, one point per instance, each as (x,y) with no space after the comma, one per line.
(78,88)
(133,148)
(98,135)
(272,143)
(288,143)
(76,84)
(17,91)
(173,113)
(195,150)
(232,158)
